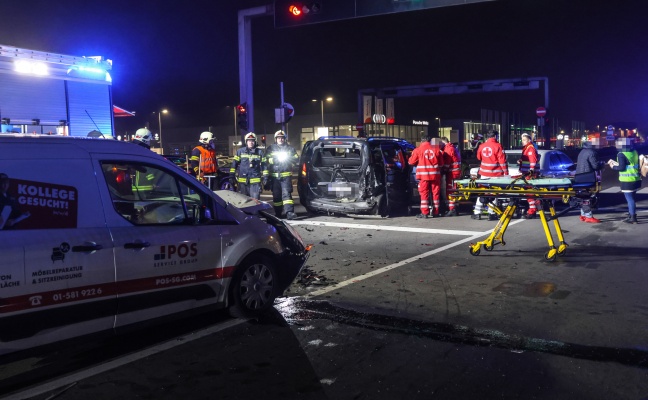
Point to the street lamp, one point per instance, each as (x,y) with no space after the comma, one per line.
(439,119)
(160,126)
(322,105)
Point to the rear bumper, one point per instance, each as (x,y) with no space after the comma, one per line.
(341,207)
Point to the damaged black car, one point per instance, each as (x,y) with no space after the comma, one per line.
(347,175)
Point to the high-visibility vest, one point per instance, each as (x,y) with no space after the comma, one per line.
(631,173)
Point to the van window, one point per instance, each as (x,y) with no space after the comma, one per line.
(147,195)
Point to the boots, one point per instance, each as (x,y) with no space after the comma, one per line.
(632,219)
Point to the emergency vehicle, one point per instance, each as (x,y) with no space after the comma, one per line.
(98,234)
(55,94)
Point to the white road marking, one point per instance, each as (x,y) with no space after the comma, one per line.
(393,228)
(101,368)
(472,235)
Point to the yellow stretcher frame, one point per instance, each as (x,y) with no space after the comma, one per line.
(521,189)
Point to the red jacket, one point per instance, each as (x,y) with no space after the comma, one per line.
(452,159)
(428,160)
(529,159)
(493,159)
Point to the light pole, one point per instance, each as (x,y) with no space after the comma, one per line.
(160,126)
(439,119)
(322,106)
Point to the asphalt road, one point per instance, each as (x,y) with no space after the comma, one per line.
(398,308)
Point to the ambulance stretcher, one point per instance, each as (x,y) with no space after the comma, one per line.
(515,190)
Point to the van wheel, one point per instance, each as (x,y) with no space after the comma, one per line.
(254,287)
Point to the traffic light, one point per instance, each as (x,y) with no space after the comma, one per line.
(242,117)
(263,139)
(289,111)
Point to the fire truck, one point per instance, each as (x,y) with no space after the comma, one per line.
(55,94)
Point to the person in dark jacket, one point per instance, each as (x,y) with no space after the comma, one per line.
(627,163)
(587,163)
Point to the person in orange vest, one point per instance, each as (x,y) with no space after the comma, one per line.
(203,159)
(528,163)
(452,166)
(493,164)
(428,159)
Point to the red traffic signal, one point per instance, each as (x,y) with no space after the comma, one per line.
(242,108)
(295,10)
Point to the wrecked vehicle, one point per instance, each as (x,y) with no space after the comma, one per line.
(348,175)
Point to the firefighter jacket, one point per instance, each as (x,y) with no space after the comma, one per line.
(452,160)
(428,160)
(281,160)
(203,160)
(251,165)
(529,159)
(493,159)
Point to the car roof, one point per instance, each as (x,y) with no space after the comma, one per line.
(46,146)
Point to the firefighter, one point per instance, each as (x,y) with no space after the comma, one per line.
(528,164)
(452,168)
(281,157)
(428,160)
(143,137)
(252,170)
(203,160)
(493,164)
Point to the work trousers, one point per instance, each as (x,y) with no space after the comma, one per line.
(449,186)
(250,189)
(424,188)
(282,200)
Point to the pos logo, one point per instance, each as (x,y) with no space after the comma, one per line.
(167,252)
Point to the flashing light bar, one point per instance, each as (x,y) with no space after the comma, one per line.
(30,67)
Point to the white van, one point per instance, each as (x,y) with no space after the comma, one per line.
(97,234)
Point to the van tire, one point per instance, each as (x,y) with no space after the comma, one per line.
(254,287)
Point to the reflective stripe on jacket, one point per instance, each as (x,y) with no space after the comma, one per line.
(281,160)
(204,156)
(428,160)
(452,158)
(631,173)
(493,159)
(251,165)
(529,159)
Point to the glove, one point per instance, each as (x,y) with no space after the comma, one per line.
(266,184)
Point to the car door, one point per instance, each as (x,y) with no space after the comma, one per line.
(58,268)
(396,171)
(167,249)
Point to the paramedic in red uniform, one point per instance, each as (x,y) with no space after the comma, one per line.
(528,163)
(452,164)
(428,160)
(493,164)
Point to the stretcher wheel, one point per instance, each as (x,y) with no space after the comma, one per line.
(475,252)
(488,248)
(562,251)
(550,255)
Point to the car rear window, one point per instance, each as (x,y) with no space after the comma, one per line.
(332,156)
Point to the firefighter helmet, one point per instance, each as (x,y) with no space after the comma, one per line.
(280,134)
(143,135)
(206,137)
(250,136)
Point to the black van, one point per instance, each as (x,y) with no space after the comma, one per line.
(347,175)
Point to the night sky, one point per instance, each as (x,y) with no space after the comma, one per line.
(183,56)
